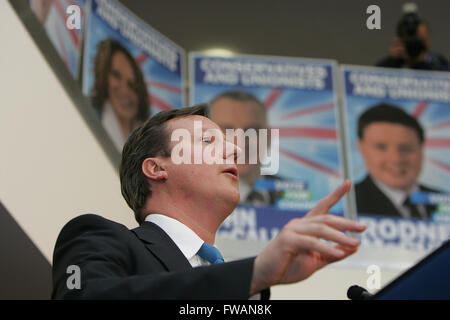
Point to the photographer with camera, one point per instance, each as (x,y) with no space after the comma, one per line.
(411,47)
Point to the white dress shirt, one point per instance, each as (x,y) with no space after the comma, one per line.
(398,197)
(186,240)
(245,189)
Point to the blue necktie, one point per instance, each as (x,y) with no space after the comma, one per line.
(210,253)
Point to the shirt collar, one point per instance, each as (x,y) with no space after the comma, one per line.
(397,196)
(244,190)
(186,240)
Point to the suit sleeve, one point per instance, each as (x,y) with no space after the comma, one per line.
(99,248)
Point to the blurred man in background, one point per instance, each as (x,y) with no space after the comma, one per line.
(412,47)
(242,110)
(391,143)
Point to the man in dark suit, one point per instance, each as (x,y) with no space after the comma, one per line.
(391,143)
(370,199)
(179,207)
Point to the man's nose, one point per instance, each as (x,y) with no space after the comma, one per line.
(396,155)
(232,151)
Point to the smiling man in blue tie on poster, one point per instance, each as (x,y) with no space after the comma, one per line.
(180,207)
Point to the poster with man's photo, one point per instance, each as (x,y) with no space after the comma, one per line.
(130,70)
(398,138)
(294,101)
(63,23)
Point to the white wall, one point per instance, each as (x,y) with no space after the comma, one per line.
(51,166)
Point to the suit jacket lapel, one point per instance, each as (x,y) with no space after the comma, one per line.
(382,204)
(160,244)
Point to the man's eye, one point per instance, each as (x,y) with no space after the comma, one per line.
(380,146)
(406,149)
(206,139)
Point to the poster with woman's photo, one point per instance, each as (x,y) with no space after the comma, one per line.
(292,98)
(55,16)
(130,70)
(398,139)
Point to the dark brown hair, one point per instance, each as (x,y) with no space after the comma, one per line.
(102,68)
(151,139)
(384,112)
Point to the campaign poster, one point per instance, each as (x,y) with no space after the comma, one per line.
(296,97)
(398,140)
(63,23)
(130,70)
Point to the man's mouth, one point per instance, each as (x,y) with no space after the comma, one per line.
(396,171)
(232,171)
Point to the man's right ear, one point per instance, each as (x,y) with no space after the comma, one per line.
(153,169)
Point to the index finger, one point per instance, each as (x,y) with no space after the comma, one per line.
(325,204)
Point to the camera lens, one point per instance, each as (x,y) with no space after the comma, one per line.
(407,30)
(414,47)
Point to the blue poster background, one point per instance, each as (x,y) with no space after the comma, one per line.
(426,96)
(263,224)
(301,98)
(67,42)
(160,60)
